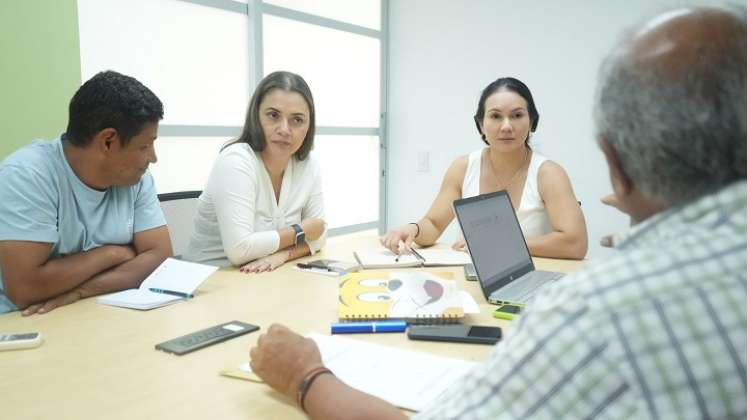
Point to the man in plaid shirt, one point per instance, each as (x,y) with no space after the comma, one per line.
(658,330)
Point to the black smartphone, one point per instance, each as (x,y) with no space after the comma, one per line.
(507,311)
(469,272)
(481,334)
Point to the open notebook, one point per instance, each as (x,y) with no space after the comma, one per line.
(413,296)
(384,258)
(172,281)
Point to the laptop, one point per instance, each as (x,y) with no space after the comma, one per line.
(498,250)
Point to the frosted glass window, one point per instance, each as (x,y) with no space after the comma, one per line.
(358,12)
(194,57)
(184,163)
(342,69)
(350,178)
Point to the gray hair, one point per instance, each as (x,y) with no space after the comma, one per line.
(678,137)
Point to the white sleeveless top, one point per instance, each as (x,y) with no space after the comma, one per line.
(531,213)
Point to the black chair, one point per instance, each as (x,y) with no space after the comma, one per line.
(179,208)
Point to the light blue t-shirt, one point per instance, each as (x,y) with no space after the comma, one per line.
(42,200)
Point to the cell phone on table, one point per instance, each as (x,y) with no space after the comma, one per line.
(20,341)
(480,334)
(469,272)
(508,311)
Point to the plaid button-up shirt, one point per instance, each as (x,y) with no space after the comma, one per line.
(657,331)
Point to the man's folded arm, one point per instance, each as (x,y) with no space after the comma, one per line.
(30,276)
(152,246)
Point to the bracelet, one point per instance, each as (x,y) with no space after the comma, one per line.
(305,385)
(417,226)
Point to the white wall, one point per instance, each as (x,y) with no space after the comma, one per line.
(443,53)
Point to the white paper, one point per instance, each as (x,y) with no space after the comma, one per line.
(405,378)
(174,275)
(384,258)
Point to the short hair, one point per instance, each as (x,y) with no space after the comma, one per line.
(111,100)
(513,85)
(678,136)
(252,132)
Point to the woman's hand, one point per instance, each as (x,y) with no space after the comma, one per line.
(404,235)
(460,245)
(267,263)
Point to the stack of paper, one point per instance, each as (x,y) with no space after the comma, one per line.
(405,378)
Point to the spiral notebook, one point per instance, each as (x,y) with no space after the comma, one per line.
(413,296)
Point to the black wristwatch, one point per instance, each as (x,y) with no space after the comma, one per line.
(300,234)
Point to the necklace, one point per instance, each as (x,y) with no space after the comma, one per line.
(516,172)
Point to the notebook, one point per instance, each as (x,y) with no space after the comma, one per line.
(413,296)
(498,250)
(175,279)
(384,258)
(405,378)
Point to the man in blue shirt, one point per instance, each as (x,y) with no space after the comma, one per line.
(80,215)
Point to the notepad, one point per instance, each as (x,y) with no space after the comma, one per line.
(384,258)
(413,296)
(181,277)
(407,379)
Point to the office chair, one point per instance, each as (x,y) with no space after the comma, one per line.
(179,208)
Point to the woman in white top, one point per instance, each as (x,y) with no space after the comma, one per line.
(547,209)
(262,205)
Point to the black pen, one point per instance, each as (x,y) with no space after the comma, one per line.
(172,292)
(417,255)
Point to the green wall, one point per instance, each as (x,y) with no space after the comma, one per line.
(39,69)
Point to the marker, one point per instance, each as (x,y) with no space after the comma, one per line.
(368,327)
(314,267)
(173,293)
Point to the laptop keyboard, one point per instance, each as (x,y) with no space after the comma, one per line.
(522,289)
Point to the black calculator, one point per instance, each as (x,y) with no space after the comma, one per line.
(203,338)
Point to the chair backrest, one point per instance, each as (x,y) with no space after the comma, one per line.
(179,208)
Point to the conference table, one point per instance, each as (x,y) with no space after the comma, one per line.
(99,361)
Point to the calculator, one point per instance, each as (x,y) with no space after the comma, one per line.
(203,338)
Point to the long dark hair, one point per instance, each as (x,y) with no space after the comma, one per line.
(516,86)
(253,134)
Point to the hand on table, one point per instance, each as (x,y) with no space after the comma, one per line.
(399,240)
(460,245)
(66,298)
(282,359)
(267,263)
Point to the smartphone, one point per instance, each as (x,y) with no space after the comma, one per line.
(480,334)
(20,341)
(507,311)
(469,272)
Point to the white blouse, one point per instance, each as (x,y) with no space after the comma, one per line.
(531,213)
(237,216)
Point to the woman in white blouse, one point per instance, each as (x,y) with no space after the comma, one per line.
(546,207)
(262,205)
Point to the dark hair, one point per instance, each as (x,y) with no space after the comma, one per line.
(516,86)
(253,134)
(111,100)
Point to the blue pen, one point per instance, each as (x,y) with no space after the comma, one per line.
(173,293)
(368,327)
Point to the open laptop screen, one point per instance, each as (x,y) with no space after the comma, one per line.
(494,239)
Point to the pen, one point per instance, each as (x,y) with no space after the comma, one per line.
(368,327)
(173,293)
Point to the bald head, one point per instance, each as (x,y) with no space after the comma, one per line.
(681,41)
(672,103)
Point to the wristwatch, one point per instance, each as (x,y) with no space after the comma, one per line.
(300,234)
